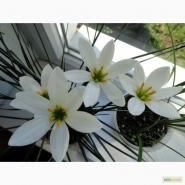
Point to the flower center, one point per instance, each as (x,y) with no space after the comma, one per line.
(98,75)
(44,94)
(145,94)
(58,114)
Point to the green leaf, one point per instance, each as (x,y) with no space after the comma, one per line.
(140,149)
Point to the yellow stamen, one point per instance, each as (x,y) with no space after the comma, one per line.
(58,123)
(63,110)
(92,74)
(64,117)
(51,110)
(94,70)
(148,89)
(96,80)
(104,80)
(58,107)
(45,91)
(105,74)
(39,93)
(139,90)
(101,69)
(52,118)
(148,99)
(142,97)
(153,92)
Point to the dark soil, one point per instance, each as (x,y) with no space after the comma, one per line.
(129,126)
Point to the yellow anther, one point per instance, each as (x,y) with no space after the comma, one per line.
(64,117)
(63,110)
(153,92)
(96,80)
(148,99)
(148,89)
(139,90)
(92,74)
(94,70)
(104,80)
(142,97)
(105,74)
(101,69)
(52,118)
(58,122)
(51,110)
(58,107)
(40,93)
(45,91)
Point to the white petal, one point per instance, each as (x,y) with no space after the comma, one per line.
(30,131)
(139,75)
(59,141)
(163,109)
(87,53)
(16,103)
(106,55)
(166,92)
(158,78)
(57,86)
(45,76)
(136,106)
(113,93)
(78,76)
(29,84)
(121,67)
(74,98)
(92,92)
(127,84)
(83,122)
(34,103)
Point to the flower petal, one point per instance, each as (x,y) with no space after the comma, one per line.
(166,92)
(74,98)
(127,84)
(121,67)
(136,106)
(138,75)
(16,103)
(164,109)
(57,86)
(59,141)
(87,53)
(29,84)
(92,92)
(113,93)
(106,55)
(158,78)
(45,76)
(30,131)
(34,103)
(78,76)
(83,122)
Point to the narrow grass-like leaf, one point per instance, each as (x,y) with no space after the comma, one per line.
(68,157)
(124,28)
(104,148)
(140,149)
(43,45)
(40,150)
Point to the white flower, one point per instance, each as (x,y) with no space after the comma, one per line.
(100,73)
(149,91)
(59,110)
(30,85)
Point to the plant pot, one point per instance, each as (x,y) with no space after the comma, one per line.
(155,147)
